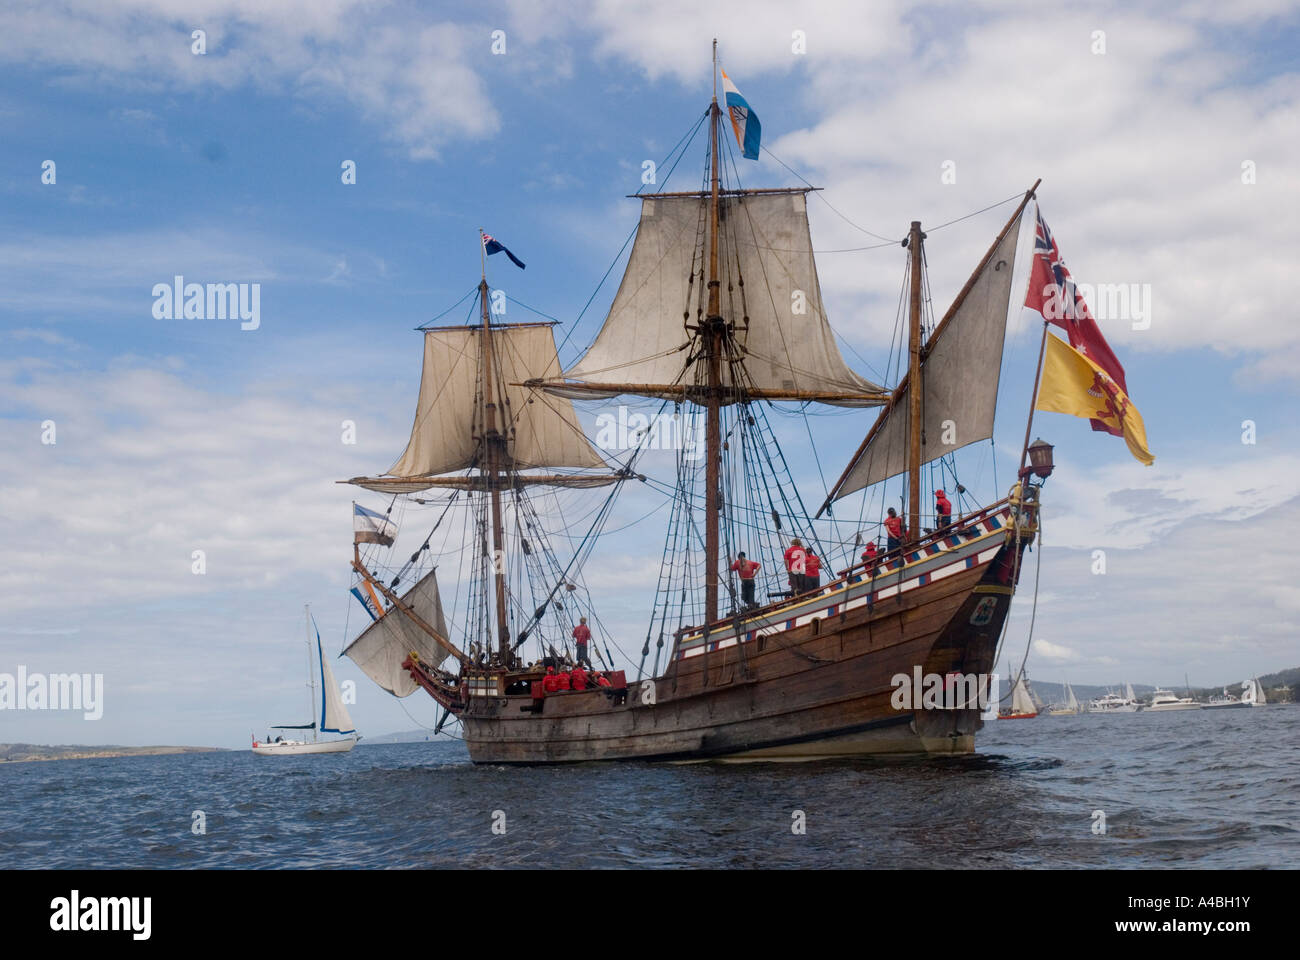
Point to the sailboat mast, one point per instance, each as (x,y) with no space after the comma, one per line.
(493,462)
(713,334)
(311,674)
(914,390)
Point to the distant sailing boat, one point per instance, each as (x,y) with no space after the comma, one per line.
(703,323)
(1070,706)
(333,716)
(1252,696)
(1022,701)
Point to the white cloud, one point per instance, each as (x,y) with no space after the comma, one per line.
(1140,149)
(407,73)
(1054,652)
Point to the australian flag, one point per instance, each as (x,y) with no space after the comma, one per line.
(496,246)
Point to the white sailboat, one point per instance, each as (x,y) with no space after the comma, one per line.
(1252,696)
(1070,706)
(333,715)
(1255,694)
(1022,701)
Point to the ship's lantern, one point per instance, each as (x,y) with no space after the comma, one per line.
(1040,458)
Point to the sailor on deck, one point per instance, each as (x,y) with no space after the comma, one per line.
(796,565)
(581,635)
(869,557)
(893,530)
(943,508)
(813,565)
(746,569)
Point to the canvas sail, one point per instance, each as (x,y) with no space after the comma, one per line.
(1021,702)
(540,430)
(334,716)
(960,369)
(1128,692)
(786,349)
(1070,700)
(382,646)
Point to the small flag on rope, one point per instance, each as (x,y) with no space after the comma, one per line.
(496,246)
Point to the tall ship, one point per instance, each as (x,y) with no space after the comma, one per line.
(719,319)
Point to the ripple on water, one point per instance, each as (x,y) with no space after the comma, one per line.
(1191,792)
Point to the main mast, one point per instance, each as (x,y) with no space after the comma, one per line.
(713,334)
(914,390)
(494,460)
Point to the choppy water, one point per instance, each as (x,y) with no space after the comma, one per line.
(1198,789)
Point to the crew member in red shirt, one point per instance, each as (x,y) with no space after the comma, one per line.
(582,634)
(550,683)
(746,569)
(578,679)
(602,680)
(813,578)
(562,680)
(796,565)
(869,558)
(893,530)
(943,507)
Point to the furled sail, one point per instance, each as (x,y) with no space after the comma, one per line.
(960,369)
(382,646)
(786,350)
(540,430)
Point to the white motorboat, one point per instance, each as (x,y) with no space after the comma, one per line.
(1112,703)
(332,718)
(1163,701)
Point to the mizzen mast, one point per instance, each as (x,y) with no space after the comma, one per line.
(713,332)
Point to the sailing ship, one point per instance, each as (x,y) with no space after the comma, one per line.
(1022,705)
(330,711)
(1068,707)
(703,324)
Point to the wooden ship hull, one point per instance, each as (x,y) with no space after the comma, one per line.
(810,679)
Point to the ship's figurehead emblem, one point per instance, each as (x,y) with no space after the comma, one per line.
(984,611)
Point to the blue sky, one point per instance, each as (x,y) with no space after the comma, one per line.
(182,435)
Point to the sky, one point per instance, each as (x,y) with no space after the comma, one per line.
(1166,136)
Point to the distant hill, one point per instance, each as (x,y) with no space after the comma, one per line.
(1281,687)
(407,736)
(15,752)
